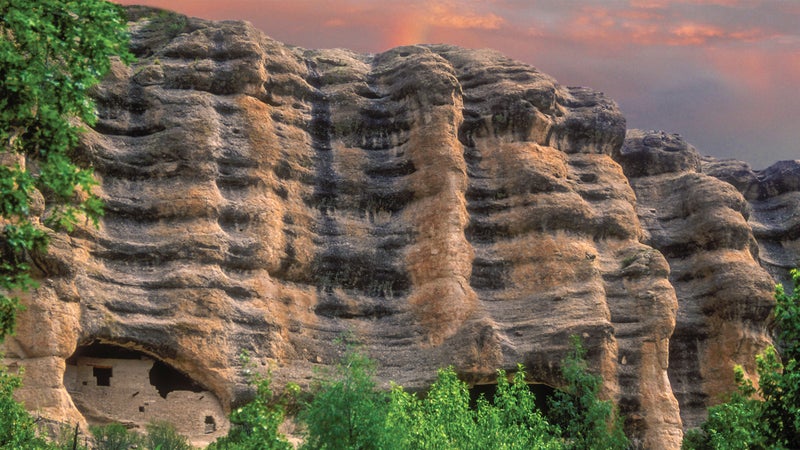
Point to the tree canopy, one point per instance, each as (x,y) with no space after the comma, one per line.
(51,54)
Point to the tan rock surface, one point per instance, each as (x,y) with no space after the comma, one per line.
(773,197)
(440,205)
(700,225)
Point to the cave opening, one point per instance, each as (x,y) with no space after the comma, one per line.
(541,391)
(107,360)
(166,379)
(97,349)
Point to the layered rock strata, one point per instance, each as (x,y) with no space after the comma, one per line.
(699,223)
(438,205)
(773,197)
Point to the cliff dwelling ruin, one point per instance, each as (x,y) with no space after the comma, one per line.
(109,383)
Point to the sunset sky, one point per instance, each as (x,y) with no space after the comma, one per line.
(725,74)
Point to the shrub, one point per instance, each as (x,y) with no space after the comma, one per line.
(114,436)
(347,411)
(586,421)
(163,436)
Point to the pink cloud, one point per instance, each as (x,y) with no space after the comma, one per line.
(336,22)
(662,4)
(694,34)
(614,29)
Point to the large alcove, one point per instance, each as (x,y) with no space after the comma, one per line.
(112,383)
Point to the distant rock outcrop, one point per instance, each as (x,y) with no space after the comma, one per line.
(773,197)
(440,205)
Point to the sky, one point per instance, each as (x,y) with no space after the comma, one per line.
(724,74)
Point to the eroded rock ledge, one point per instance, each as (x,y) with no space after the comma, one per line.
(440,205)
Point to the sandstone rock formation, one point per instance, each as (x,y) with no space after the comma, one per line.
(773,197)
(699,224)
(439,205)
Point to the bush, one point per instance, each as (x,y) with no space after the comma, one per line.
(69,438)
(114,436)
(586,421)
(441,420)
(163,436)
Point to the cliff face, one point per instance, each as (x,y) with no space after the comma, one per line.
(700,224)
(439,205)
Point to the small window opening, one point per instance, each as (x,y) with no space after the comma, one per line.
(141,409)
(211,425)
(103,375)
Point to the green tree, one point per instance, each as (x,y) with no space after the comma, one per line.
(514,421)
(443,419)
(587,422)
(347,410)
(51,54)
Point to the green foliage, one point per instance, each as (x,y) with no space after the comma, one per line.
(172,23)
(51,53)
(114,436)
(586,421)
(516,423)
(444,420)
(163,436)
(69,438)
(441,420)
(770,419)
(255,425)
(734,424)
(17,428)
(787,318)
(347,411)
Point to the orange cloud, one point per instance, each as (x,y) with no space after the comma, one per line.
(406,29)
(414,23)
(442,15)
